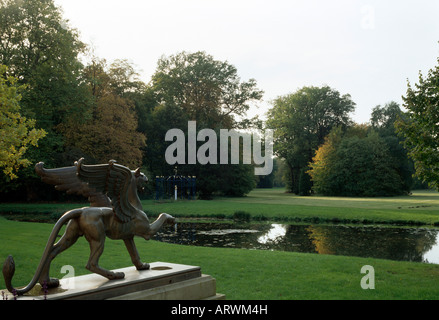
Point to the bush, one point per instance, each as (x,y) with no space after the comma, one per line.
(241,216)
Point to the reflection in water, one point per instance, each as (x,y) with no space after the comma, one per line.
(432,255)
(375,242)
(320,240)
(275,234)
(408,244)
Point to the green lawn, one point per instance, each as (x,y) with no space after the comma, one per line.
(274,204)
(252,274)
(240,274)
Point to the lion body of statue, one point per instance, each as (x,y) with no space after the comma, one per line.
(119,218)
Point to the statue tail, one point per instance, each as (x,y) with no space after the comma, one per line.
(9,264)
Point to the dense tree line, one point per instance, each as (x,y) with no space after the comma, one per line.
(360,162)
(102,111)
(57,108)
(327,153)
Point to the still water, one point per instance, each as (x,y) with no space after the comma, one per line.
(408,244)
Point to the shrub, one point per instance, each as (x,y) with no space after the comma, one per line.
(241,216)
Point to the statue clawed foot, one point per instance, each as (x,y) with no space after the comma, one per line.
(51,283)
(115,275)
(143,266)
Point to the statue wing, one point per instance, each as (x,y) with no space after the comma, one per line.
(66,179)
(113,180)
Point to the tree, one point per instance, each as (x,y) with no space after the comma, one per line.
(110,130)
(124,79)
(420,126)
(161,119)
(365,168)
(17,133)
(383,118)
(110,134)
(195,86)
(207,90)
(230,180)
(355,163)
(301,122)
(383,121)
(305,183)
(322,168)
(41,50)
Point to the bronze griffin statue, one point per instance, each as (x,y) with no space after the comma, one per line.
(115,211)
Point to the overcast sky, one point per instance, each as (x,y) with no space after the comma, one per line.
(366,48)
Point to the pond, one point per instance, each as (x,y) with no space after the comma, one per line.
(403,244)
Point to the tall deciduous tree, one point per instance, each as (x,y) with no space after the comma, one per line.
(383,121)
(110,134)
(383,118)
(207,90)
(124,79)
(110,131)
(195,86)
(420,126)
(301,122)
(41,50)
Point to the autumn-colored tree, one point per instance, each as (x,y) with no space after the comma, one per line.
(110,131)
(110,134)
(321,167)
(17,132)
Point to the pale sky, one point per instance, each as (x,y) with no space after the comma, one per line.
(367,48)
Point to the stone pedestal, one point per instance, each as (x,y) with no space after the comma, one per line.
(164,281)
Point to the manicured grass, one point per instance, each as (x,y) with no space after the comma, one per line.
(274,204)
(240,274)
(250,274)
(421,208)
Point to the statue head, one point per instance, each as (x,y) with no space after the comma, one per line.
(141,179)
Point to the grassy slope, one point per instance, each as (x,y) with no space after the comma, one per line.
(250,274)
(240,274)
